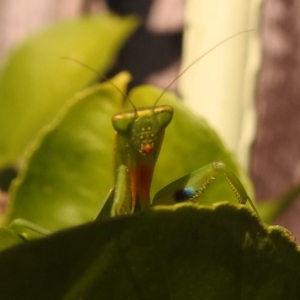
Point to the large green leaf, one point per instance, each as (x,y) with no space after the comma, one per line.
(68,171)
(35,82)
(183,252)
(8,238)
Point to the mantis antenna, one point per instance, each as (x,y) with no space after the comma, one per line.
(104,78)
(171,83)
(197,59)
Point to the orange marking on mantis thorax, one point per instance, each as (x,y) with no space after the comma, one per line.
(145,173)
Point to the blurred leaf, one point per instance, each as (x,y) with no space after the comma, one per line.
(68,170)
(180,252)
(8,238)
(36,82)
(273,208)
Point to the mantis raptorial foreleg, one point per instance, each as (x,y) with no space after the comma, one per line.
(192,186)
(119,199)
(27,229)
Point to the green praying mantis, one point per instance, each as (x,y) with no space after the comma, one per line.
(138,140)
(139,137)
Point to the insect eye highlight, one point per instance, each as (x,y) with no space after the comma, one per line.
(122,122)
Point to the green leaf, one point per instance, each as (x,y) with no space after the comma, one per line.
(180,252)
(68,170)
(8,238)
(36,82)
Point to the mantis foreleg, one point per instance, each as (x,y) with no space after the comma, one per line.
(122,203)
(192,186)
(118,200)
(27,229)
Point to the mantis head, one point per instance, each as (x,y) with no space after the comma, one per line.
(143,127)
